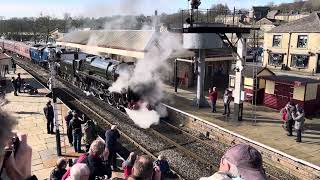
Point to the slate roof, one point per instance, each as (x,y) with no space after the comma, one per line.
(290,79)
(136,40)
(272,14)
(309,24)
(268,21)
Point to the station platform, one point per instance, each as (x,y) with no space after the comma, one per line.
(28,110)
(266,128)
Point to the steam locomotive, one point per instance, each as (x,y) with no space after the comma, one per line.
(92,74)
(96,75)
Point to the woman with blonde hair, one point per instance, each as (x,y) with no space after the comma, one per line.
(79,171)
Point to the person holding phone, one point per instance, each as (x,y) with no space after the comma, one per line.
(15,153)
(143,169)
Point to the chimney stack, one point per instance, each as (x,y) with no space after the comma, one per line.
(156,21)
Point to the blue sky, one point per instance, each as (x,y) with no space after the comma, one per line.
(95,8)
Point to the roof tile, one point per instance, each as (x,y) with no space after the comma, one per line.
(309,24)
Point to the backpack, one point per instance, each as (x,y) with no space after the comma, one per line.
(284,115)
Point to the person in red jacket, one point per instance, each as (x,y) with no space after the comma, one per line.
(213,95)
(128,164)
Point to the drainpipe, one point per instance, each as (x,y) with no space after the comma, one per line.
(289,44)
(304,96)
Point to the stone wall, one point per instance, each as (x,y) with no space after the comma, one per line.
(286,163)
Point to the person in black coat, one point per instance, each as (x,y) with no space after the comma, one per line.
(59,170)
(19,82)
(75,124)
(68,118)
(14,85)
(96,160)
(49,113)
(112,136)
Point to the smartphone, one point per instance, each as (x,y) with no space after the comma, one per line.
(16,144)
(70,162)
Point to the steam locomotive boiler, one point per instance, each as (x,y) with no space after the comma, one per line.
(95,75)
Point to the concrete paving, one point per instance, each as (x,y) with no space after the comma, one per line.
(266,129)
(28,110)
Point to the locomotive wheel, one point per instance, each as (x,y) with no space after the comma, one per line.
(93,93)
(110,100)
(82,86)
(101,97)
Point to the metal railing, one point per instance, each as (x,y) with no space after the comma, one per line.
(213,16)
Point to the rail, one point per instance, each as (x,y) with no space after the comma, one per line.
(174,143)
(74,98)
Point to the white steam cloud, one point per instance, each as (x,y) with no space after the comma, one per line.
(147,79)
(143,118)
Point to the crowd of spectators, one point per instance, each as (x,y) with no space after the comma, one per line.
(239,162)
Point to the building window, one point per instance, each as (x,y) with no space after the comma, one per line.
(232,81)
(276,41)
(302,41)
(275,59)
(299,61)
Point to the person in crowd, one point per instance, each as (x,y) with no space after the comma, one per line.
(15,165)
(241,161)
(128,164)
(19,82)
(13,65)
(59,170)
(298,117)
(291,109)
(96,160)
(90,133)
(112,135)
(226,102)
(284,116)
(75,125)
(68,118)
(14,85)
(6,69)
(163,164)
(213,95)
(49,113)
(79,171)
(143,169)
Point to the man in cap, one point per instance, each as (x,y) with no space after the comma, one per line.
(112,135)
(49,113)
(240,161)
(68,118)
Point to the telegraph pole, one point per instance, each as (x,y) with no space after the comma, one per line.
(52,86)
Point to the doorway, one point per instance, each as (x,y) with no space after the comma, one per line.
(318,64)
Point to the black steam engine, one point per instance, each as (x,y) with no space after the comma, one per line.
(95,75)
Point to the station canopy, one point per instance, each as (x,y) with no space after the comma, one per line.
(129,43)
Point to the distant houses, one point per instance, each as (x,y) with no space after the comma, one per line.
(292,52)
(294,45)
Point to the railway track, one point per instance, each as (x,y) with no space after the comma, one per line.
(184,149)
(147,141)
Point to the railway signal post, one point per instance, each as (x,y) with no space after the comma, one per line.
(238,92)
(52,64)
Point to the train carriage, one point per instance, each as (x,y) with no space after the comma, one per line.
(8,45)
(22,49)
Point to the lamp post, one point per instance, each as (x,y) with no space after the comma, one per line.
(52,85)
